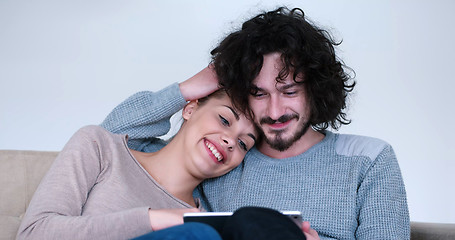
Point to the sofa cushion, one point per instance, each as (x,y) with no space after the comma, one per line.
(20,175)
(433,231)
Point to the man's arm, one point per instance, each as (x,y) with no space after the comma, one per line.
(381,203)
(146,115)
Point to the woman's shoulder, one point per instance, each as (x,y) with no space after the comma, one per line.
(96,141)
(95,133)
(92,131)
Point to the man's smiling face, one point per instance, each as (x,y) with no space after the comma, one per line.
(280,108)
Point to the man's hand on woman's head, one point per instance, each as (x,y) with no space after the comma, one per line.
(200,85)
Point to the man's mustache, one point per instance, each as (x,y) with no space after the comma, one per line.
(282,119)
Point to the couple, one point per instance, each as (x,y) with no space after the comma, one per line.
(279,71)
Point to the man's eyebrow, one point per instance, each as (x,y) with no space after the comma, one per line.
(236,115)
(287,86)
(279,88)
(256,88)
(253,86)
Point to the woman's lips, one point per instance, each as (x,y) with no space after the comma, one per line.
(214,152)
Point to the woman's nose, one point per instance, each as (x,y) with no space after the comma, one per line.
(228,142)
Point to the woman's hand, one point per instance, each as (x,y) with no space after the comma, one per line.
(200,85)
(310,233)
(164,218)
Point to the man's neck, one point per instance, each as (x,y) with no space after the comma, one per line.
(308,140)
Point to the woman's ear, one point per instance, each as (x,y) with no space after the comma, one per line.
(189,109)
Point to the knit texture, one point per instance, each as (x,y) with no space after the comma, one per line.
(343,186)
(145,116)
(95,189)
(347,186)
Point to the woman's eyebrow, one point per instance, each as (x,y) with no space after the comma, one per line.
(252,136)
(236,115)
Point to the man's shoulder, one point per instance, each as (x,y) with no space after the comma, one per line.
(357,145)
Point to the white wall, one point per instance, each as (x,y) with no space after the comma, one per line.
(65,64)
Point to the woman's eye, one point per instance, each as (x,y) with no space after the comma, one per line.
(224,121)
(243,145)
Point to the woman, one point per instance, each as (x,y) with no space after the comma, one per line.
(98,188)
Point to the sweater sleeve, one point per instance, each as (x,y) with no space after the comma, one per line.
(55,211)
(145,116)
(381,203)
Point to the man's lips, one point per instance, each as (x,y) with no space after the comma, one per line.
(279,125)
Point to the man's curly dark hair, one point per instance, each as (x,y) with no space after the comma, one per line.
(305,51)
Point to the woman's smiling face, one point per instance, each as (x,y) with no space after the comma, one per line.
(217,136)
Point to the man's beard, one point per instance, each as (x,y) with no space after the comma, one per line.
(277,142)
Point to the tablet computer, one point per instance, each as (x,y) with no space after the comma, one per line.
(217,219)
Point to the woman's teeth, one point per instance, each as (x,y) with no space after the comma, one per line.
(215,152)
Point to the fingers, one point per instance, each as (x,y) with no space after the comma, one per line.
(309,233)
(312,235)
(164,218)
(192,210)
(306,226)
(200,85)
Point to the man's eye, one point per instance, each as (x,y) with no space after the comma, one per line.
(290,93)
(243,145)
(224,121)
(258,94)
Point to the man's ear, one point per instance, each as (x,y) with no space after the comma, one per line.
(189,109)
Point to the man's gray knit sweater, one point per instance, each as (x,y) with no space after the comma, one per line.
(346,186)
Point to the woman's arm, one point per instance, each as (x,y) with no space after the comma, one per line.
(145,115)
(55,211)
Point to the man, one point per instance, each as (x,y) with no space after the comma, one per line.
(285,71)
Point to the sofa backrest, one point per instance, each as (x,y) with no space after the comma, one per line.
(20,175)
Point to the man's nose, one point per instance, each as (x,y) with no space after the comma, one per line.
(275,108)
